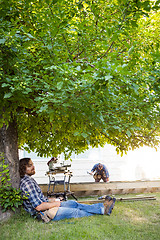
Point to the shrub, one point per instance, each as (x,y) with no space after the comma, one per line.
(10,198)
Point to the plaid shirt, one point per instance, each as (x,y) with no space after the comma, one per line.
(31,190)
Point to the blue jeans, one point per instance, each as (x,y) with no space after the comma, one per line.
(73,209)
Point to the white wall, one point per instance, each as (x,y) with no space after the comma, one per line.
(141,164)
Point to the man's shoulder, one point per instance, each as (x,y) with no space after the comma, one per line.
(26,180)
(96,164)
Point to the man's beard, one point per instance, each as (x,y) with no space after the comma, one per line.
(31,173)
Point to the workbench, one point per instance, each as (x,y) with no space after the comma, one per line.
(65,175)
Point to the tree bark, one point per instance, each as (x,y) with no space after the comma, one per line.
(9,149)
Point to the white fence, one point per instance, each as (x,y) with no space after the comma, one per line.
(141,164)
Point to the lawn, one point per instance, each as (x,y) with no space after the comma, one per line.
(130,220)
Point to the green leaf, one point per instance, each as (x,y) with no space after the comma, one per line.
(59,85)
(2,40)
(131,50)
(128,133)
(29,35)
(13,209)
(107,77)
(85,135)
(5,84)
(76,133)
(101,117)
(8,95)
(78,68)
(43,108)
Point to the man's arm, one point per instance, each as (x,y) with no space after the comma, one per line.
(36,197)
(47,205)
(94,168)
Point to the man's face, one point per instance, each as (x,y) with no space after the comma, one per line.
(30,170)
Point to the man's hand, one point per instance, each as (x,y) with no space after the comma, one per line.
(91,173)
(55,199)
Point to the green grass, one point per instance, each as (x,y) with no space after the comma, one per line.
(136,220)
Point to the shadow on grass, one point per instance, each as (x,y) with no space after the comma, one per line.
(135,220)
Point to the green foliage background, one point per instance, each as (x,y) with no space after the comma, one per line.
(79,73)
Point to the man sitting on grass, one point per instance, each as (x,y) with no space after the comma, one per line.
(53,209)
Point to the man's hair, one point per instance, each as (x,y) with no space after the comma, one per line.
(22,166)
(100,165)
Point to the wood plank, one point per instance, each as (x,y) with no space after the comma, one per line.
(88,189)
(120,199)
(137,198)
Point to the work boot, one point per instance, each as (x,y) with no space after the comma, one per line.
(108,197)
(108,206)
(104,197)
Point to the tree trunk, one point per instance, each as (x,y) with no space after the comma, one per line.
(9,149)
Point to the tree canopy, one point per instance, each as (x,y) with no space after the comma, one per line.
(79,73)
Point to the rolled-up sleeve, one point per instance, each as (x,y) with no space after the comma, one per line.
(94,168)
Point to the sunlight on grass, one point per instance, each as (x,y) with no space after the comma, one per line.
(134,216)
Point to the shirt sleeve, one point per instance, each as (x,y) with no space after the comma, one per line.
(94,168)
(106,171)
